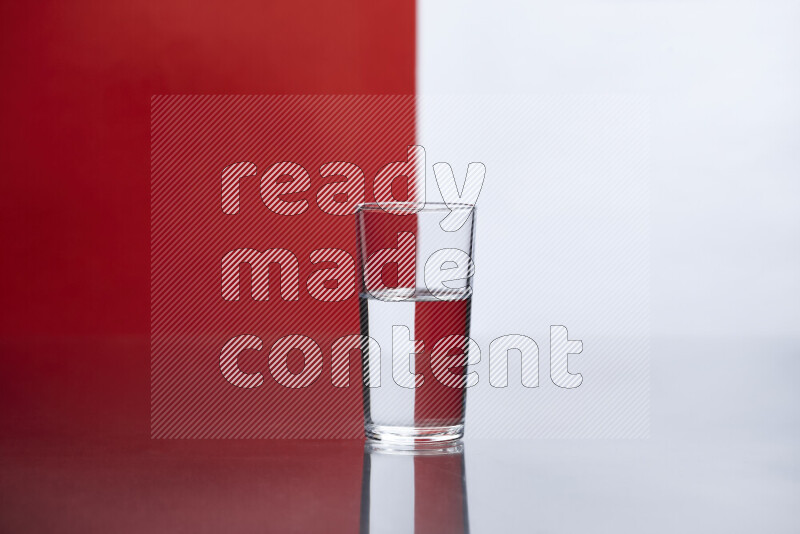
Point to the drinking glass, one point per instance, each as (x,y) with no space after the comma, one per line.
(415,292)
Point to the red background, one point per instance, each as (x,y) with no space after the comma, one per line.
(75,452)
(77,82)
(193,140)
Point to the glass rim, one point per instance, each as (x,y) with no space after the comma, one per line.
(414,206)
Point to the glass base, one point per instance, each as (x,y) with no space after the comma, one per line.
(413,436)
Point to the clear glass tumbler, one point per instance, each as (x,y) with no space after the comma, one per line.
(415,275)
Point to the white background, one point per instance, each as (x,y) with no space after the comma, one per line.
(722,79)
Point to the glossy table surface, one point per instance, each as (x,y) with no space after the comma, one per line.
(723,456)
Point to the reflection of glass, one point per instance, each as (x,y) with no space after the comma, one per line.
(421,491)
(415,274)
